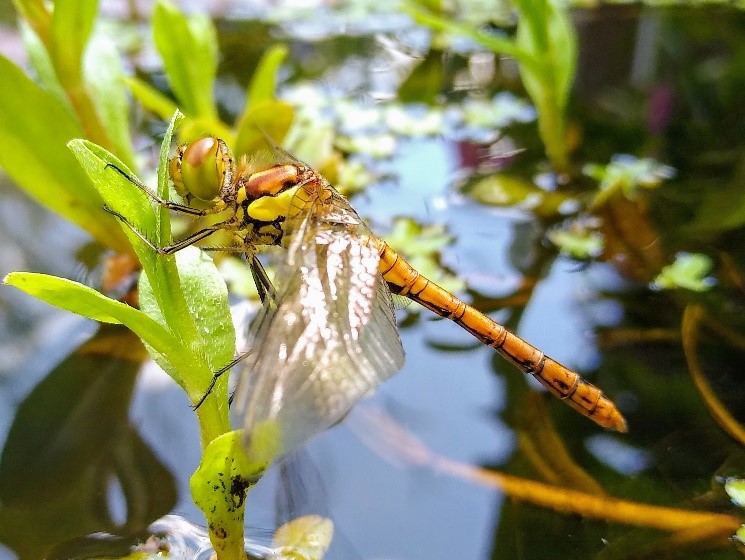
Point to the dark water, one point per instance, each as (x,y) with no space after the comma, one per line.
(93,446)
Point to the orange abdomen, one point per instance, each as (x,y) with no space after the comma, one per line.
(558,379)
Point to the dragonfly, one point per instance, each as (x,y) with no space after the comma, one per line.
(326,335)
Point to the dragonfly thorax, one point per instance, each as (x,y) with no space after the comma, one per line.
(264,199)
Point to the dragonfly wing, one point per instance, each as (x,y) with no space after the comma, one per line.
(329,340)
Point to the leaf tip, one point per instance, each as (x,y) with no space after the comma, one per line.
(13,278)
(74,142)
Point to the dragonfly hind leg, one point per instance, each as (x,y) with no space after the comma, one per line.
(267,294)
(219,373)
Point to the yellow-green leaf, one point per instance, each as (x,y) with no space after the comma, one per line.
(188,46)
(34,130)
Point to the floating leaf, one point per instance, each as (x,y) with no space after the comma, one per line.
(735,488)
(503,110)
(627,173)
(510,191)
(422,246)
(579,243)
(378,146)
(413,121)
(689,271)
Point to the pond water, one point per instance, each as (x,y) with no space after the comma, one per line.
(102,442)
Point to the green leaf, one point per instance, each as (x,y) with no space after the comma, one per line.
(42,64)
(72,23)
(104,78)
(85,301)
(150,98)
(34,155)
(735,488)
(225,468)
(579,243)
(689,271)
(628,174)
(510,191)
(264,79)
(491,42)
(69,295)
(168,290)
(546,39)
(188,46)
(272,118)
(207,299)
(563,41)
(118,193)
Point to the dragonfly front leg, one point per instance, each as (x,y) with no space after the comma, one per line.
(168,249)
(176,207)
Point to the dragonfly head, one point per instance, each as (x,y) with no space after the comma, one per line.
(201,168)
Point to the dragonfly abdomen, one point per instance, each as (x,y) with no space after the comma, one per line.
(561,381)
(558,379)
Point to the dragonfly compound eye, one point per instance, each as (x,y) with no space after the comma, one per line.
(199,170)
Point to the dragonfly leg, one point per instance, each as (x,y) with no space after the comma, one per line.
(168,249)
(217,376)
(261,279)
(154,196)
(266,293)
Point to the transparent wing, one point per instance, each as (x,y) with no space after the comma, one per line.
(330,339)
